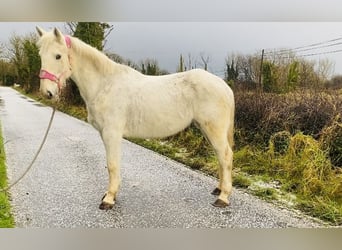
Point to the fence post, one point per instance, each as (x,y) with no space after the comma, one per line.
(260,87)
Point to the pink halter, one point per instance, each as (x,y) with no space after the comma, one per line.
(68,41)
(44,74)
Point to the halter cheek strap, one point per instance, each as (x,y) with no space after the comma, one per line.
(44,74)
(68,41)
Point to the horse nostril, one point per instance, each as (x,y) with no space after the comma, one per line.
(49,94)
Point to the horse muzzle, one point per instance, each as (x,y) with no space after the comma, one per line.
(46,88)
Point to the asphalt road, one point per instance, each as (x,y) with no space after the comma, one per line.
(69,178)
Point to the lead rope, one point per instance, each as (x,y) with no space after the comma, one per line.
(36,155)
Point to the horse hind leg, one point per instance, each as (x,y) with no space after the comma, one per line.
(225,156)
(221,140)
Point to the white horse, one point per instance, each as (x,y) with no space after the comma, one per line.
(123,102)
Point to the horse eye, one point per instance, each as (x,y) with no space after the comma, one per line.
(58,57)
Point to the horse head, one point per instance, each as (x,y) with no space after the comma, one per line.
(54,51)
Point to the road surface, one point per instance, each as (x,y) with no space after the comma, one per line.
(69,178)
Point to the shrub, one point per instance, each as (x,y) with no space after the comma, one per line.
(307,167)
(259,116)
(279,142)
(331,140)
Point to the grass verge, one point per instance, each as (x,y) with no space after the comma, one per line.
(6,218)
(302,168)
(292,170)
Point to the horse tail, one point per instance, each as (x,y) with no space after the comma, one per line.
(231,126)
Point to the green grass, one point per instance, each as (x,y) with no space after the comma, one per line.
(6,218)
(303,169)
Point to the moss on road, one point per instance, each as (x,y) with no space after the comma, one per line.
(6,218)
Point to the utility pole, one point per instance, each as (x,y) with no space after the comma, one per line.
(260,87)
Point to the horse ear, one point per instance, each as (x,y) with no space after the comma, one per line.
(58,34)
(40,31)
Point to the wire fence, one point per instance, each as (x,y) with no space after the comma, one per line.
(327,47)
(315,49)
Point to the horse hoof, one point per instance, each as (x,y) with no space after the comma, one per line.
(106,206)
(216,191)
(220,203)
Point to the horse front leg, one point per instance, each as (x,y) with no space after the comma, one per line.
(112,142)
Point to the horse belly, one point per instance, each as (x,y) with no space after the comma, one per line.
(155,124)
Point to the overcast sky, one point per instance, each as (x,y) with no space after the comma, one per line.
(165,41)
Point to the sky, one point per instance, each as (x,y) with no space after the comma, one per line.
(165,41)
(172,10)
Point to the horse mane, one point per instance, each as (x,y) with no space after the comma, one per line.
(100,61)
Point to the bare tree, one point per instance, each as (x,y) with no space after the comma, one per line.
(2,50)
(108,29)
(308,76)
(181,67)
(191,62)
(232,69)
(325,69)
(2,65)
(205,61)
(15,53)
(280,57)
(247,66)
(70,27)
(150,67)
(116,58)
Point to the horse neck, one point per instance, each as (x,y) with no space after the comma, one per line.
(87,75)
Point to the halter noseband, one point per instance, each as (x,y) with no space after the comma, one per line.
(44,74)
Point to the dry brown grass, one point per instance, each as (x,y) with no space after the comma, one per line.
(318,114)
